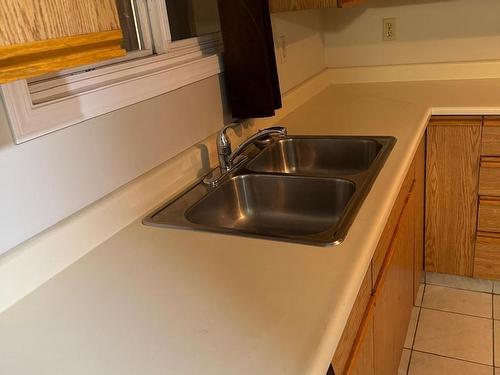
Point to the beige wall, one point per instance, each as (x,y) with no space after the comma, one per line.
(305,53)
(47,179)
(428,31)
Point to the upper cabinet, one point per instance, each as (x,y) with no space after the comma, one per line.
(39,37)
(289,5)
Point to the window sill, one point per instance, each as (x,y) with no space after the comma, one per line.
(129,83)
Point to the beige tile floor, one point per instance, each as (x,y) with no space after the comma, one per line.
(454,329)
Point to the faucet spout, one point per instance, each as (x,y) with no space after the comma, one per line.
(277,131)
(228,159)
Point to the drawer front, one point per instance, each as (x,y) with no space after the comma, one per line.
(487,257)
(491,137)
(489,180)
(489,216)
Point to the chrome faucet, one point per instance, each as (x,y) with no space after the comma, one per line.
(229,159)
(225,153)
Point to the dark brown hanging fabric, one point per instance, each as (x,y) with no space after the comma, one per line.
(249,60)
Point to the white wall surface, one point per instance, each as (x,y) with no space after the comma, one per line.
(46,180)
(305,45)
(427,31)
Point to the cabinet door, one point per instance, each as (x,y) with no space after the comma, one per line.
(394,295)
(66,33)
(453,154)
(352,331)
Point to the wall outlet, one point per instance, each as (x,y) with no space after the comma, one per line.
(389,29)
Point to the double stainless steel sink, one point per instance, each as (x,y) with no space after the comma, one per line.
(304,189)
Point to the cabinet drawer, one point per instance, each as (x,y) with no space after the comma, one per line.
(487,257)
(489,216)
(489,180)
(491,137)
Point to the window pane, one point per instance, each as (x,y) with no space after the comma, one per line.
(191,18)
(129,24)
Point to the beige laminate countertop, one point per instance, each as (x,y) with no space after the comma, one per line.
(162,301)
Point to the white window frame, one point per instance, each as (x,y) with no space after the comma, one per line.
(47,106)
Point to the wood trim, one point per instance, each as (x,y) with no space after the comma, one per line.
(348,3)
(492,121)
(488,235)
(36,58)
(490,162)
(490,201)
(291,5)
(456,121)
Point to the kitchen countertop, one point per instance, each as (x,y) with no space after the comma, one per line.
(165,301)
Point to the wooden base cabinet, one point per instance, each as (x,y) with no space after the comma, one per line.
(380,334)
(453,158)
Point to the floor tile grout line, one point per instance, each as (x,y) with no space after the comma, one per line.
(455,358)
(457,313)
(457,288)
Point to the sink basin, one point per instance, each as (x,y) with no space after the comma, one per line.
(317,156)
(299,189)
(274,205)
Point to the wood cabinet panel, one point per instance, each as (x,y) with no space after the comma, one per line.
(290,5)
(351,329)
(489,215)
(394,295)
(392,222)
(491,137)
(362,359)
(54,19)
(489,181)
(66,33)
(452,173)
(419,215)
(487,257)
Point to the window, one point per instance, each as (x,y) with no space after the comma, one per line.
(192,18)
(169,43)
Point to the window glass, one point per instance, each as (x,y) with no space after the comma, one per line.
(192,18)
